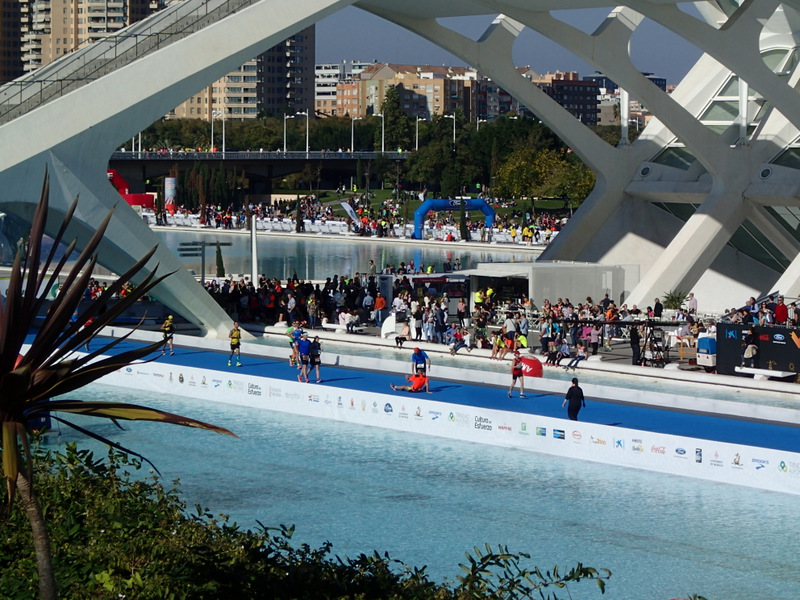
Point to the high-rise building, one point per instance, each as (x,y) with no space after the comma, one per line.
(10,36)
(279,81)
(49,29)
(286,75)
(34,33)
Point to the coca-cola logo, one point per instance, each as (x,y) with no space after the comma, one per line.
(658,449)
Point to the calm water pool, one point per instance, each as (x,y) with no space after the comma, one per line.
(317,258)
(427,501)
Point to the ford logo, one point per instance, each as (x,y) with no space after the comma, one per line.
(778,337)
(680,451)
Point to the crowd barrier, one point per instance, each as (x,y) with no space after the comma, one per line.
(334,227)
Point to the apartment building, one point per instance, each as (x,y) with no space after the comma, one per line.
(278,81)
(424,90)
(49,29)
(34,33)
(326,77)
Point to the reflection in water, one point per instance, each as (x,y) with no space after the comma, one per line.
(317,259)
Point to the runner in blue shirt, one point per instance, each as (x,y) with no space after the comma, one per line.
(420,360)
(304,350)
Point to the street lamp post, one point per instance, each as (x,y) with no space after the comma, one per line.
(478,126)
(285,118)
(454,128)
(220,113)
(416,142)
(353,133)
(383,131)
(211,149)
(305,114)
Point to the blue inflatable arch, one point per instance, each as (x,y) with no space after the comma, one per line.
(451,205)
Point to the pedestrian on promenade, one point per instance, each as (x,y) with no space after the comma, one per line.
(168,330)
(235,336)
(575,399)
(516,373)
(315,356)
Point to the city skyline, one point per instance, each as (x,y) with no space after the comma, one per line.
(382,41)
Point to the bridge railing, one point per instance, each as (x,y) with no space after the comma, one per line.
(95,60)
(254,155)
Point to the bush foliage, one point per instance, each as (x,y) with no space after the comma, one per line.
(116,532)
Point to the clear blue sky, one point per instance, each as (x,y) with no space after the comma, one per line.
(352,34)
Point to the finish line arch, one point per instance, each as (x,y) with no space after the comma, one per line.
(450,204)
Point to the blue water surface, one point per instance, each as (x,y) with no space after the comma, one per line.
(427,501)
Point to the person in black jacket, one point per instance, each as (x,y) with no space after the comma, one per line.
(575,398)
(636,349)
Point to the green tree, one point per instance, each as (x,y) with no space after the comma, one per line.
(50,366)
(515,178)
(397,122)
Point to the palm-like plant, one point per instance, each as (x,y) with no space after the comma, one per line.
(51,366)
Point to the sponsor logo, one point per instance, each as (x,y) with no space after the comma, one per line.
(313,398)
(180,378)
(460,419)
(558,434)
(374,406)
(418,413)
(541,431)
(129,370)
(504,427)
(680,451)
(435,414)
(253,389)
(736,463)
(760,463)
(523,428)
(658,449)
(789,467)
(387,408)
(779,338)
(598,441)
(363,405)
(161,375)
(483,424)
(339,403)
(619,444)
(716,461)
(218,382)
(698,455)
(731,335)
(638,448)
(577,435)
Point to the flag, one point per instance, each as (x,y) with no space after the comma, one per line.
(350,212)
(531,366)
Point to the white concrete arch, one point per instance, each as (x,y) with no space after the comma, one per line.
(730,180)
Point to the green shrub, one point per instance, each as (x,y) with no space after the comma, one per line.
(117,533)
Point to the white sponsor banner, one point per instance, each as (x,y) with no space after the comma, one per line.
(738,464)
